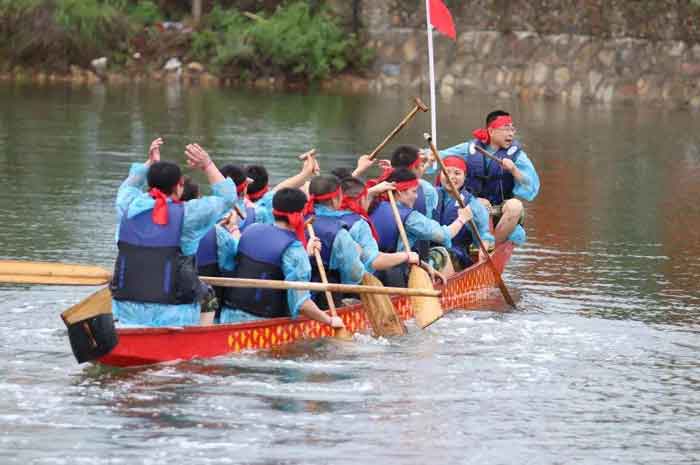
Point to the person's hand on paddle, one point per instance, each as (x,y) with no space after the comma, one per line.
(310,167)
(363,164)
(313,246)
(230,217)
(465,214)
(197,157)
(384,164)
(380,188)
(412,258)
(154,151)
(336,322)
(435,275)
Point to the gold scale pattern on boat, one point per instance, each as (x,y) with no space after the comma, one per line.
(465,291)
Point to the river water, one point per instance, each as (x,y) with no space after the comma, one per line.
(601,365)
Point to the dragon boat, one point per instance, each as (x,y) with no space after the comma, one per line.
(465,290)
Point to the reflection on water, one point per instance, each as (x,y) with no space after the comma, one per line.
(600,366)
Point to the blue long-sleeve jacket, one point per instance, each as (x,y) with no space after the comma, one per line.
(199,216)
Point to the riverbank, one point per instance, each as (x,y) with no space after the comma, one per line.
(603,52)
(289,45)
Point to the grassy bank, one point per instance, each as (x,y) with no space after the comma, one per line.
(293,40)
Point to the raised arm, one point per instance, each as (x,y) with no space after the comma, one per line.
(308,170)
(197,157)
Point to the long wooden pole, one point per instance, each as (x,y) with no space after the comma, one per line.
(26,272)
(419,106)
(322,271)
(455,193)
(339,332)
(399,223)
(332,287)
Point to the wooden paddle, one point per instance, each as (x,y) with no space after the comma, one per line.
(455,193)
(380,311)
(419,105)
(22,272)
(16,271)
(426,309)
(341,333)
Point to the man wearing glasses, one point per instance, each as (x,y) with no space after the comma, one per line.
(498,184)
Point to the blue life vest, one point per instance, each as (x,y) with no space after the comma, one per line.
(446,214)
(208,249)
(260,252)
(384,223)
(349,220)
(492,182)
(326,228)
(150,266)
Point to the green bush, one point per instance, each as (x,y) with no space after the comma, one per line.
(86,21)
(144,13)
(296,40)
(224,39)
(292,41)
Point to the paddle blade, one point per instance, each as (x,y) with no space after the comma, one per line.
(426,309)
(23,272)
(343,334)
(91,329)
(95,304)
(380,311)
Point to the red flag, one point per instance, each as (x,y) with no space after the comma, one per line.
(441,19)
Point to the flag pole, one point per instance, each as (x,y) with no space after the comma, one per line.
(431,66)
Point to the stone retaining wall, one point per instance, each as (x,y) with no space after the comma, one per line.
(655,66)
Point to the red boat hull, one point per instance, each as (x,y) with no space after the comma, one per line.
(146,346)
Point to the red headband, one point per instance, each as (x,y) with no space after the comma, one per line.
(310,205)
(241,187)
(257,195)
(296,221)
(352,203)
(416,163)
(453,161)
(483,134)
(160,210)
(327,195)
(405,185)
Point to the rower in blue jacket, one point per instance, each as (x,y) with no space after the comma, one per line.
(353,209)
(155,280)
(446,213)
(498,184)
(417,226)
(260,193)
(409,156)
(214,247)
(276,251)
(340,254)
